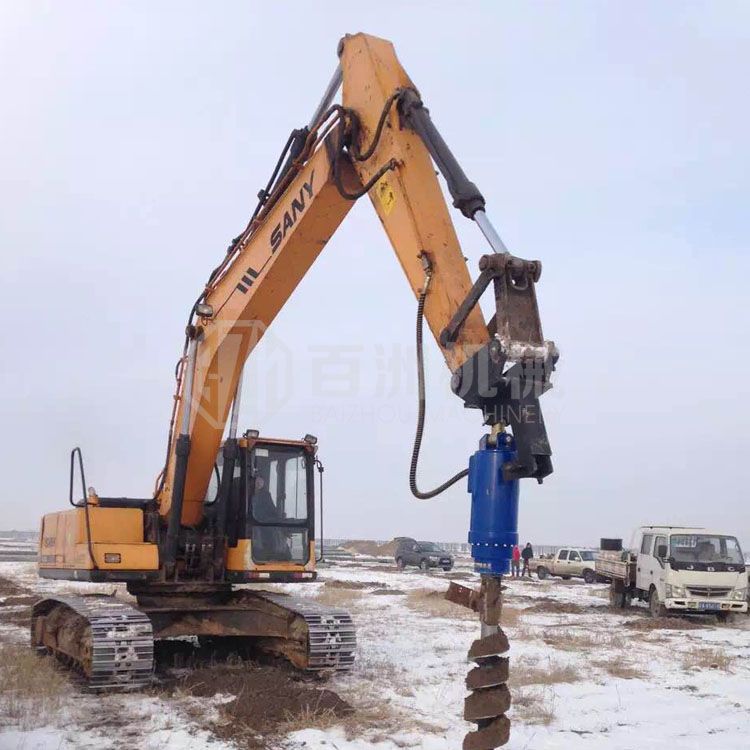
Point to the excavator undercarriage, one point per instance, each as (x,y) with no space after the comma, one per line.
(111,642)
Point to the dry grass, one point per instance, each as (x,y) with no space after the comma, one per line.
(534,705)
(707,658)
(531,684)
(334,583)
(582,640)
(646,623)
(623,670)
(32,688)
(309,717)
(338,597)
(434,604)
(376,719)
(524,672)
(547,605)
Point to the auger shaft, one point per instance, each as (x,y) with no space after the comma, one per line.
(487,681)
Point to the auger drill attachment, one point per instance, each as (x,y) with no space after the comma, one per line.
(492,535)
(504,377)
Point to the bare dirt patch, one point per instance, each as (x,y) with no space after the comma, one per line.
(268,701)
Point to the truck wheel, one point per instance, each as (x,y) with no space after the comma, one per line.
(589,576)
(400,563)
(655,606)
(542,572)
(424,565)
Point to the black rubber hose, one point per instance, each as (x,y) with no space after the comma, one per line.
(421,414)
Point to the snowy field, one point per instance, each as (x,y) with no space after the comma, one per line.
(582,676)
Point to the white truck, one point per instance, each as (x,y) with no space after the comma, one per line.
(567,563)
(678,569)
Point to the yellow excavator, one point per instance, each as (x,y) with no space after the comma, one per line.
(231,508)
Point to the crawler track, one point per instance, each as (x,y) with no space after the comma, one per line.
(331,635)
(108,641)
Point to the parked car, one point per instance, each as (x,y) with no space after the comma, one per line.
(568,563)
(422,554)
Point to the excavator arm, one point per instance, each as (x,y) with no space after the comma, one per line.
(380,143)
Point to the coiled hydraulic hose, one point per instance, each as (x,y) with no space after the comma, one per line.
(422,405)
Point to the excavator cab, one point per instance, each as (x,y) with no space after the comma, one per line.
(280,501)
(270,513)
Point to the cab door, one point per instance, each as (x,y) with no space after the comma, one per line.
(644,569)
(561,563)
(659,566)
(575,563)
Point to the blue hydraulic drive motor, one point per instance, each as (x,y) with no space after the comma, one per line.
(494,506)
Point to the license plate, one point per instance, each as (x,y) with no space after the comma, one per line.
(708,605)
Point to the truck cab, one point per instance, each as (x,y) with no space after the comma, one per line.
(690,570)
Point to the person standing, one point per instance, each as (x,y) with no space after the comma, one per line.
(515,562)
(527,555)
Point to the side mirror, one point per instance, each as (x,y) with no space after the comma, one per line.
(661,551)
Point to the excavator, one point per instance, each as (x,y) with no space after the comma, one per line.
(230,508)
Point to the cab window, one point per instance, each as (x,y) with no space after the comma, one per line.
(660,540)
(278,489)
(562,554)
(575,557)
(280,503)
(647,544)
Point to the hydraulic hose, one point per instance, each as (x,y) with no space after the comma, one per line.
(422,408)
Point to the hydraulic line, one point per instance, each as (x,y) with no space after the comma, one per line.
(423,403)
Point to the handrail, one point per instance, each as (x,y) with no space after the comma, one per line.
(84,503)
(319,466)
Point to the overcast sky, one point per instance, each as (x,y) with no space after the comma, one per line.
(610,140)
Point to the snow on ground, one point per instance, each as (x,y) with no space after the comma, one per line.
(583,678)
